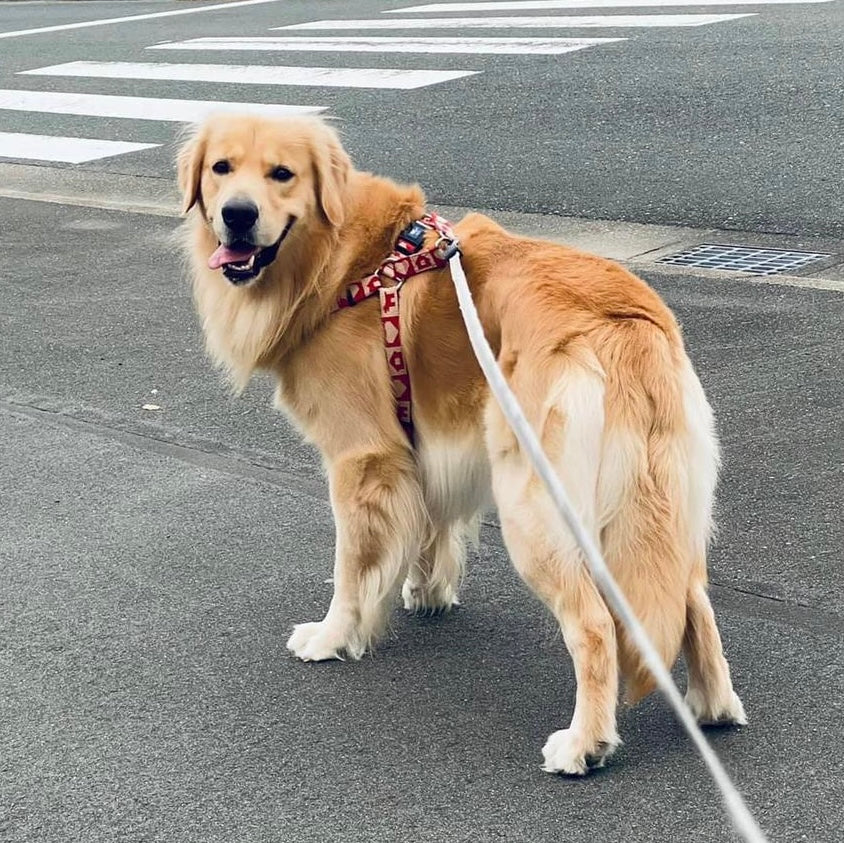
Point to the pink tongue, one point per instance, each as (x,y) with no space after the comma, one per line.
(225,255)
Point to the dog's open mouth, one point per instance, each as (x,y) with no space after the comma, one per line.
(241,261)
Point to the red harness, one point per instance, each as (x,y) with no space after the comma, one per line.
(407,259)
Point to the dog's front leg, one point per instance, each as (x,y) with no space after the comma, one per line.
(380,517)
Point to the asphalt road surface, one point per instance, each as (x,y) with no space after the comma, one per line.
(153,561)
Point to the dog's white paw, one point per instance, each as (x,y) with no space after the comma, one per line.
(729,712)
(566,752)
(321,641)
(428,599)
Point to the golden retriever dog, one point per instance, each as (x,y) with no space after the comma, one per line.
(279,225)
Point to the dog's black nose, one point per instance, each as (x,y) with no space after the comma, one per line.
(239,215)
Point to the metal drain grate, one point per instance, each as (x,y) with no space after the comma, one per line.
(743,258)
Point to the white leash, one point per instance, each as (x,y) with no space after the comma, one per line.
(743,820)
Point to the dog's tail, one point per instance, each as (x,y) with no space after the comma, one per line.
(657,481)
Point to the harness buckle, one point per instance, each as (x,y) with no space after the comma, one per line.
(410,241)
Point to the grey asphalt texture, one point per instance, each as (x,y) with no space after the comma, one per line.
(734,125)
(152,564)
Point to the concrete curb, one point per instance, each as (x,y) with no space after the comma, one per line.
(638,245)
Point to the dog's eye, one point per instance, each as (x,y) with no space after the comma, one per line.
(281,174)
(221,167)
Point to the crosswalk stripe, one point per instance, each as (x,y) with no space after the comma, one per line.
(351,77)
(538,22)
(138,108)
(484,46)
(63,150)
(525,5)
(148,16)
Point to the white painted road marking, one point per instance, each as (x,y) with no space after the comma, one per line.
(330,77)
(64,150)
(148,16)
(525,5)
(538,22)
(478,46)
(138,108)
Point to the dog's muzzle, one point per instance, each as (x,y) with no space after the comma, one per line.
(242,261)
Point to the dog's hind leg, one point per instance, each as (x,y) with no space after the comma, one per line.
(710,693)
(380,518)
(543,551)
(433,580)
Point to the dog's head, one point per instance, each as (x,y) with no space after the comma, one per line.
(255,180)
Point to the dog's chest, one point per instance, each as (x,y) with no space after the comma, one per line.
(455,476)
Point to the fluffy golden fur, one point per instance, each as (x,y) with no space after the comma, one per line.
(593,354)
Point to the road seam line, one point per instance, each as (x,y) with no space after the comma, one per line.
(226,464)
(740,600)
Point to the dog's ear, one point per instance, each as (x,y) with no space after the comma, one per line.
(189,168)
(332,167)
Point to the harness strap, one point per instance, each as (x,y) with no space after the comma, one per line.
(406,260)
(396,362)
